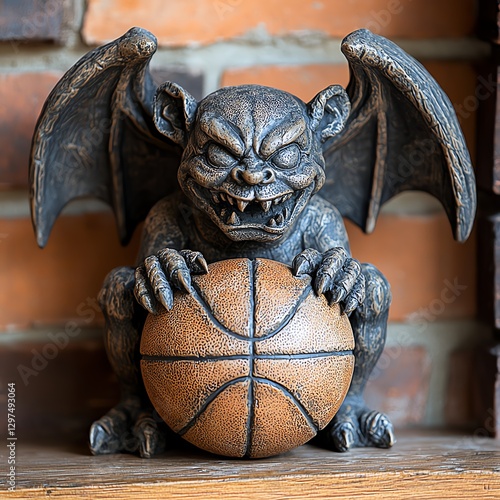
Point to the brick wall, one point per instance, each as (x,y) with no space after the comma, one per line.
(49,338)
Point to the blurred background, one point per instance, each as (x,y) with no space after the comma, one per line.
(50,326)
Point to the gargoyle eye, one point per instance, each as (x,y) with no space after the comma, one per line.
(220,157)
(287,157)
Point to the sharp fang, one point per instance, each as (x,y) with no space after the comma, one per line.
(222,197)
(230,200)
(277,200)
(266,205)
(287,197)
(215,198)
(223,213)
(286,212)
(241,205)
(279,219)
(234,220)
(272,223)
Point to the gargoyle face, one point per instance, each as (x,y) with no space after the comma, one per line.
(252,161)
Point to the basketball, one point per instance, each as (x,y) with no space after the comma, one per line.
(251,364)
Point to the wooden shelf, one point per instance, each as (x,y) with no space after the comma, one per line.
(421,465)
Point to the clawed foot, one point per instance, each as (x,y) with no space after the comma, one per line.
(335,274)
(160,274)
(128,429)
(356,425)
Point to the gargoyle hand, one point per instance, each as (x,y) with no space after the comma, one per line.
(160,274)
(335,274)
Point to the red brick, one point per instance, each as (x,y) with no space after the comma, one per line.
(399,385)
(303,81)
(209,21)
(31,20)
(49,286)
(21,98)
(422,263)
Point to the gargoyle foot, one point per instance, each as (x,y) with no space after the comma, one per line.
(111,433)
(356,425)
(150,437)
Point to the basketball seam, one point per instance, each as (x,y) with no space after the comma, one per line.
(201,301)
(208,400)
(287,392)
(302,355)
(250,400)
(211,397)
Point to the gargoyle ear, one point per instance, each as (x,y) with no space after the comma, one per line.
(329,111)
(174,111)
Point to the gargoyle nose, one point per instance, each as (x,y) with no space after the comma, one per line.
(253,177)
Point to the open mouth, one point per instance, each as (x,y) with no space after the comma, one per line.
(272,215)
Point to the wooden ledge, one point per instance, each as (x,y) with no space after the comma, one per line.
(421,465)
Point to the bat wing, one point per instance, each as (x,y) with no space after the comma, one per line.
(402,134)
(95,137)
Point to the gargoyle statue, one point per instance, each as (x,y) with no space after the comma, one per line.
(236,175)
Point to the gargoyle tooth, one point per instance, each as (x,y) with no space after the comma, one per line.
(286,212)
(222,196)
(241,205)
(266,205)
(230,200)
(215,198)
(287,197)
(234,220)
(277,200)
(223,212)
(272,223)
(279,219)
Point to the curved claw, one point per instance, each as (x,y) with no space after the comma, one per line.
(306,262)
(195,261)
(142,293)
(106,434)
(158,282)
(357,295)
(343,436)
(332,263)
(151,441)
(178,273)
(378,429)
(182,278)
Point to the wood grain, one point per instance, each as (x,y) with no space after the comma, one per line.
(424,466)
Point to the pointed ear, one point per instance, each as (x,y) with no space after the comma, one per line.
(329,111)
(174,111)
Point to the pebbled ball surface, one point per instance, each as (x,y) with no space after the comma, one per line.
(252,364)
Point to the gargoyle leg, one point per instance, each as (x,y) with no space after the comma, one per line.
(355,424)
(125,427)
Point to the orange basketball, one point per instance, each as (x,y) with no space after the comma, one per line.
(252,364)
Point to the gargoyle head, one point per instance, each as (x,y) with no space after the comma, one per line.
(252,155)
